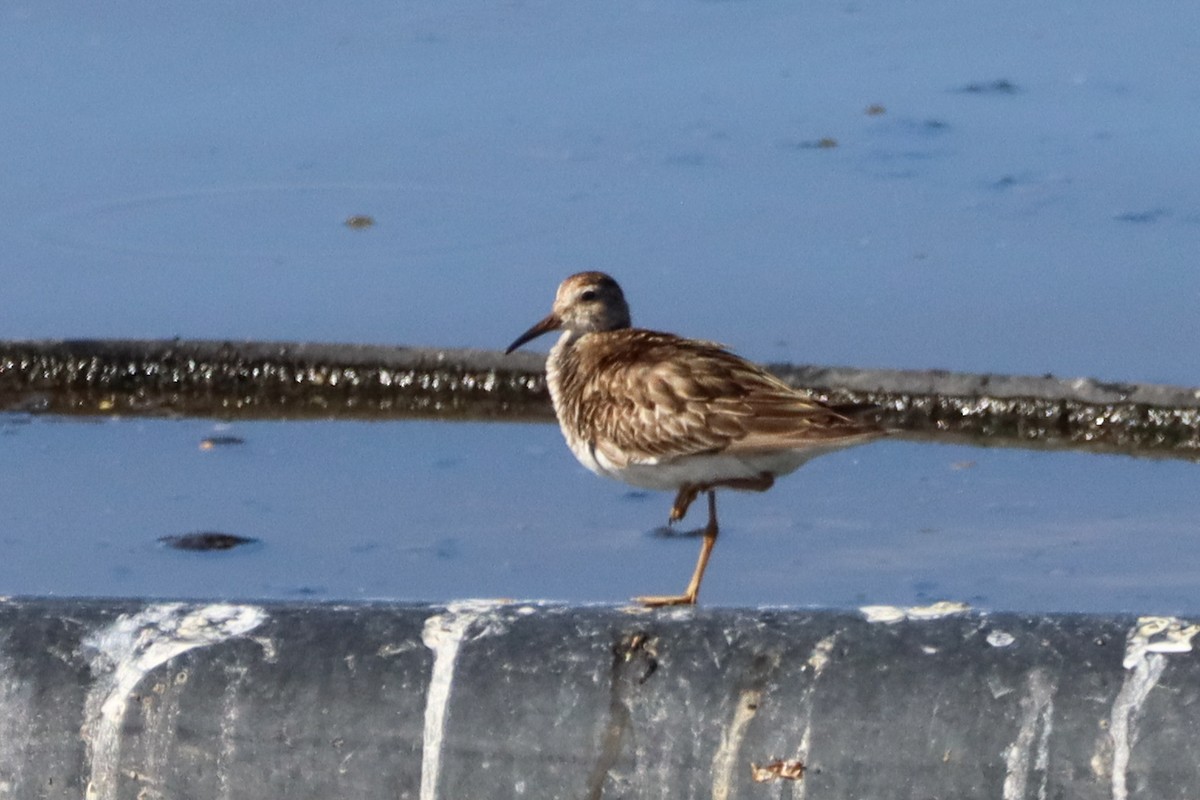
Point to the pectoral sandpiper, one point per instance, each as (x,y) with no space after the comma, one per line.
(662,412)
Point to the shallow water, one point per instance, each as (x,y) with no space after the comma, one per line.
(1026,202)
(435,511)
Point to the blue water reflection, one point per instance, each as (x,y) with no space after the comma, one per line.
(188,173)
(1009,188)
(436,511)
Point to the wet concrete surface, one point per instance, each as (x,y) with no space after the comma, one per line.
(479,699)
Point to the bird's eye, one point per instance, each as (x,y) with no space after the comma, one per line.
(590,294)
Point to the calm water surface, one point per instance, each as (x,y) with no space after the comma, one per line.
(1007,189)
(436,511)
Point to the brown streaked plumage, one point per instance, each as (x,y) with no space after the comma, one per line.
(663,412)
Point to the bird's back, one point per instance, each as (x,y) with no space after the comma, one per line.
(640,396)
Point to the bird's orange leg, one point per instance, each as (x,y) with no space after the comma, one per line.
(682,501)
(688,598)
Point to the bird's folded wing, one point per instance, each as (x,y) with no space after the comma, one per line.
(679,397)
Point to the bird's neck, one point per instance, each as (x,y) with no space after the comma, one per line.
(562,356)
(562,365)
(556,366)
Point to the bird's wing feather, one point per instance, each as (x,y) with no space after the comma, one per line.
(656,396)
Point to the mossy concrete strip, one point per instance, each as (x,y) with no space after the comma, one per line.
(1014,410)
(263,380)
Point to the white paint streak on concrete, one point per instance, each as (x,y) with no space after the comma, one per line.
(1122,724)
(818,661)
(1145,659)
(1158,635)
(938,610)
(1000,638)
(998,688)
(444,634)
(886,615)
(889,615)
(1042,764)
(1038,706)
(16,714)
(125,651)
(725,760)
(228,742)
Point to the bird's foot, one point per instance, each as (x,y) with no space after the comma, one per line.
(683,501)
(664,600)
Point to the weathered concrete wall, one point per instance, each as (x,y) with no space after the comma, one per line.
(110,699)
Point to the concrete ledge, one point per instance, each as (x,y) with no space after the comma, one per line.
(281,380)
(120,699)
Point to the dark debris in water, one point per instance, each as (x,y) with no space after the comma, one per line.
(1143,217)
(999,86)
(360,222)
(824,143)
(206,541)
(213,442)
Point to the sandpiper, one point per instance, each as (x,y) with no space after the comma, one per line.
(659,411)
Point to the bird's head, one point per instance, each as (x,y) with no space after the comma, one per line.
(587,302)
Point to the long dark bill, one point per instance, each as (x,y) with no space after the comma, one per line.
(550,323)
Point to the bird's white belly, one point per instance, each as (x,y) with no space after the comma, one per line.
(671,474)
